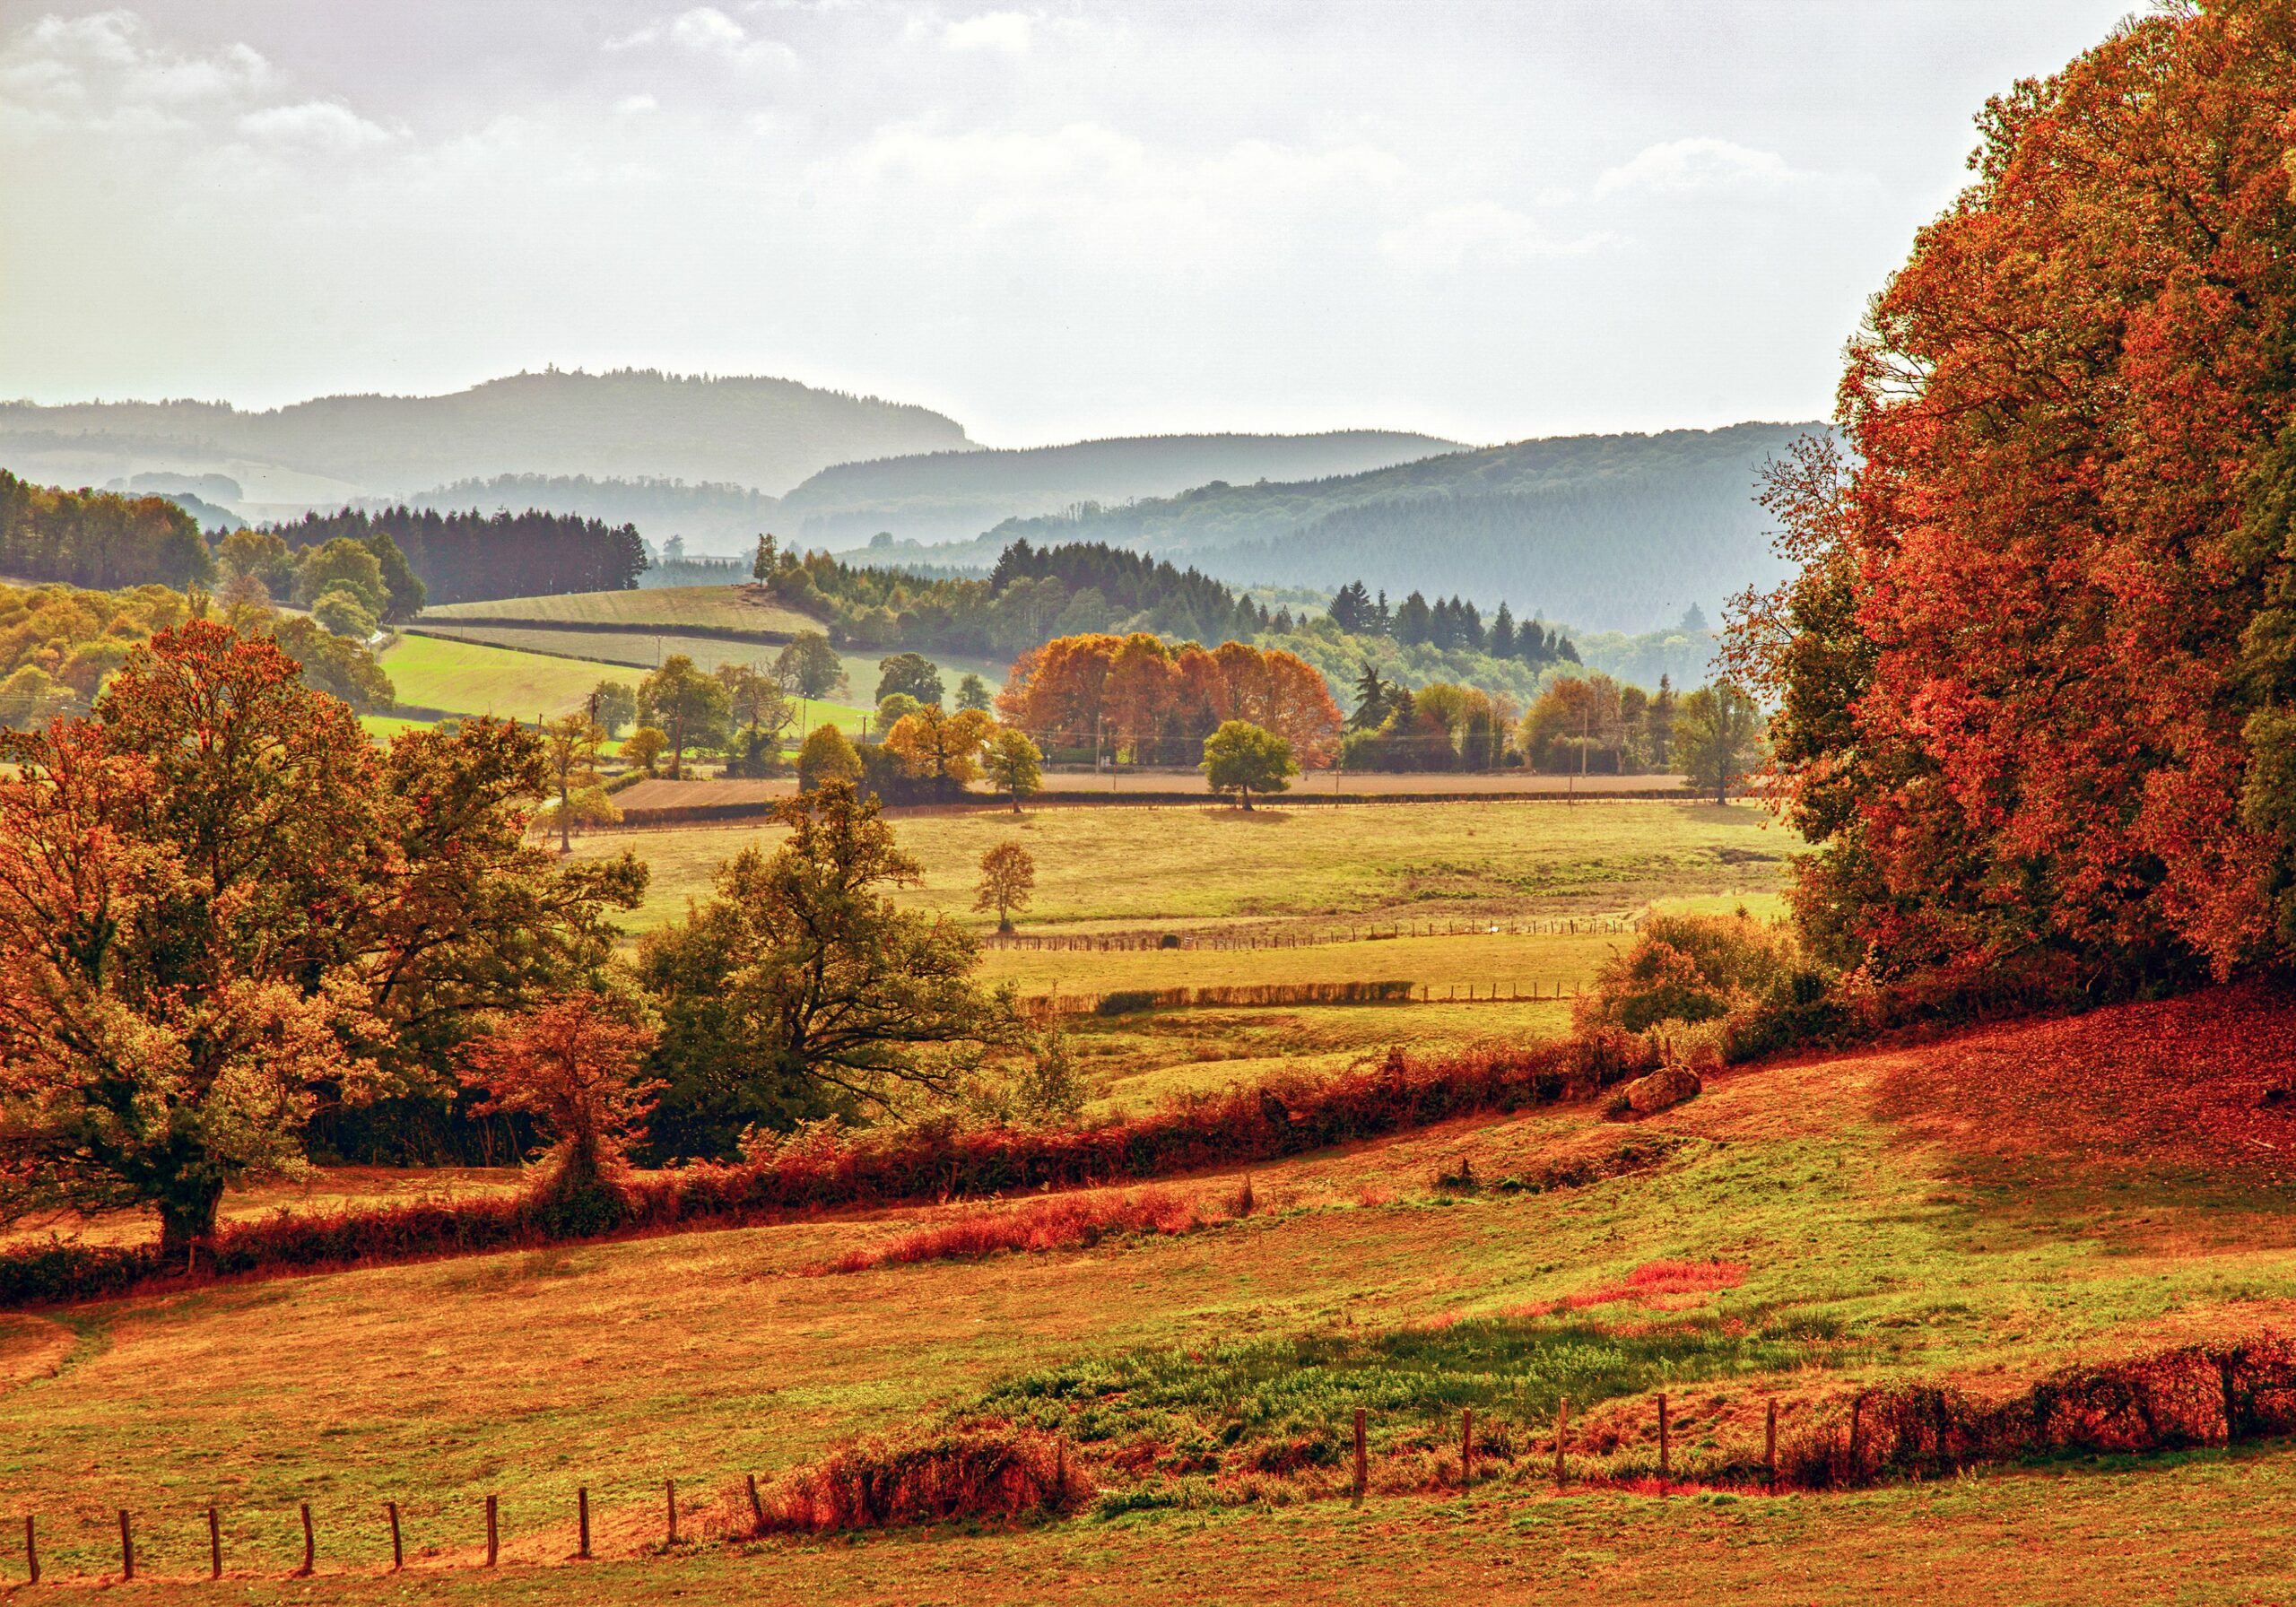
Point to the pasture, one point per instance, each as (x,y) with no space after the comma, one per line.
(712,607)
(1891,1214)
(466,678)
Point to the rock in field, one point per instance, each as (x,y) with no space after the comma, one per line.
(1667,1086)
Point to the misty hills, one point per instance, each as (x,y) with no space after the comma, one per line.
(1607,532)
(712,515)
(762,433)
(953,496)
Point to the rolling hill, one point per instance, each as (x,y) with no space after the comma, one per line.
(1609,532)
(953,496)
(759,432)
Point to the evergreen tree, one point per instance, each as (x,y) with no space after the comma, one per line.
(1502,642)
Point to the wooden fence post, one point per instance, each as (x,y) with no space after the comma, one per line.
(126,1548)
(398,1551)
(214,1545)
(1467,1448)
(757,1507)
(1362,1464)
(670,1494)
(31,1551)
(310,1550)
(493,1536)
(1562,1429)
(1856,1410)
(582,1521)
(1770,1447)
(1664,1467)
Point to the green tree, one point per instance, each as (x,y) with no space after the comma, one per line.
(810,667)
(1014,764)
(339,613)
(334,664)
(613,705)
(833,983)
(571,747)
(1717,738)
(893,710)
(260,553)
(345,564)
(912,673)
(691,708)
(1243,759)
(644,748)
(972,692)
(827,758)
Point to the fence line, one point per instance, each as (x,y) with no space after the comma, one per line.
(1279,937)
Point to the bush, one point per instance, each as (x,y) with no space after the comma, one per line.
(1687,968)
(972,1470)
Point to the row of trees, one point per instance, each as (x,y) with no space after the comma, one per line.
(1138,698)
(98,540)
(1448,625)
(475,556)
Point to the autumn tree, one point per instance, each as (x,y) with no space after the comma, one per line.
(571,747)
(688,707)
(827,756)
(1242,759)
(222,907)
(645,747)
(941,751)
(2033,672)
(1716,738)
(1008,874)
(574,1065)
(817,978)
(1013,764)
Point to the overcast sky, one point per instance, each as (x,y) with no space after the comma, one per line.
(1058,221)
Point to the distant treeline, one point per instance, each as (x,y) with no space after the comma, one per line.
(98,540)
(474,556)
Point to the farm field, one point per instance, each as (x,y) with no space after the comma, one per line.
(1187,865)
(717,607)
(1975,1212)
(643,649)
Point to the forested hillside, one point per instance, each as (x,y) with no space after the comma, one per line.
(954,496)
(1613,533)
(714,515)
(761,432)
(96,539)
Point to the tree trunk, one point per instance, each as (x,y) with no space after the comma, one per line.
(186,1217)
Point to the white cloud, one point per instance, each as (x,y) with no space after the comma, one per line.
(1680,167)
(1006,31)
(105,70)
(1449,235)
(322,126)
(705,30)
(637,106)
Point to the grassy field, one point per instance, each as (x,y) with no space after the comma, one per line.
(465,678)
(717,607)
(1183,866)
(1913,1206)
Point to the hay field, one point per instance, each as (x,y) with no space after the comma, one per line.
(1186,865)
(1881,1198)
(718,607)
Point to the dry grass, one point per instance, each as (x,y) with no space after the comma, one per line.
(718,607)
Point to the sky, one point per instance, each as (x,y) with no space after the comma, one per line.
(1084,218)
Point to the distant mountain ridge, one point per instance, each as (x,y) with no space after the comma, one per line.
(953,496)
(762,433)
(1609,532)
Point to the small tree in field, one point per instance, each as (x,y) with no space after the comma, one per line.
(826,757)
(572,1065)
(1716,738)
(1241,758)
(1014,764)
(644,748)
(570,746)
(1007,877)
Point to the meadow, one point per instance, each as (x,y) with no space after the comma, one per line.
(1901,1213)
(458,678)
(710,607)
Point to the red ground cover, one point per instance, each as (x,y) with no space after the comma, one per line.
(1061,1222)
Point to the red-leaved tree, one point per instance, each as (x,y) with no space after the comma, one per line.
(573,1064)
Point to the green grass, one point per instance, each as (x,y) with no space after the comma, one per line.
(465,678)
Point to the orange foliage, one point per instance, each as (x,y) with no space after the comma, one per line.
(1155,703)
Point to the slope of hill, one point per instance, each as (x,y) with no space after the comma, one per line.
(953,496)
(750,611)
(761,432)
(1615,532)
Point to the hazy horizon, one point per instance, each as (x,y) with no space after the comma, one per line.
(1051,223)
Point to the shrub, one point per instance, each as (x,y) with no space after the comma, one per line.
(1687,968)
(972,1470)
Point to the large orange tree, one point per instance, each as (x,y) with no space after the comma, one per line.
(2035,674)
(222,907)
